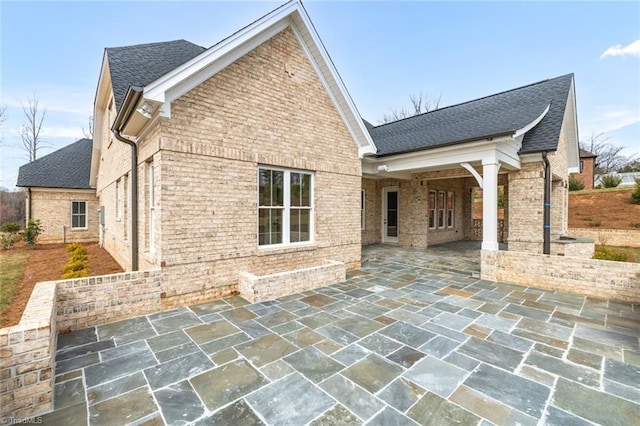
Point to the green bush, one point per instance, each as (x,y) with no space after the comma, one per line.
(76,266)
(32,232)
(635,195)
(605,253)
(10,227)
(575,184)
(8,235)
(610,181)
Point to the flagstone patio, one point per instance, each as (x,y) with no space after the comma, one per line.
(400,342)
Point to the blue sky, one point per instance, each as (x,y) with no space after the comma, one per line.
(384,52)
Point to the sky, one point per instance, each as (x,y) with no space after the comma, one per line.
(384,52)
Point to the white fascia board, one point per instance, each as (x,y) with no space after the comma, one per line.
(573,153)
(355,124)
(533,124)
(157,89)
(496,150)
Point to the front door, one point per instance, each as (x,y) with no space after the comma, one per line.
(390,215)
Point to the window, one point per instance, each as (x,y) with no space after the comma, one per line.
(362,220)
(450,209)
(78,214)
(441,209)
(284,207)
(432,209)
(581,166)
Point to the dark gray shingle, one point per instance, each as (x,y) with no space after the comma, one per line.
(502,113)
(68,167)
(141,64)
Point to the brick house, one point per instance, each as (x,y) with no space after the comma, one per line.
(587,169)
(251,163)
(57,192)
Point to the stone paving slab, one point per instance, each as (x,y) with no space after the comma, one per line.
(402,341)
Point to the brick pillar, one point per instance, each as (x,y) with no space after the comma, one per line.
(526,198)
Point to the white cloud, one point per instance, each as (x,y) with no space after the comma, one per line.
(54,99)
(632,49)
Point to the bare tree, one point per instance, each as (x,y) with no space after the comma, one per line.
(609,156)
(30,130)
(3,118)
(88,132)
(420,104)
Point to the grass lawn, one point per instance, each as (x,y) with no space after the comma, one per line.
(10,276)
(633,254)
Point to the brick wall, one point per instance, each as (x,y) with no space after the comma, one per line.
(586,175)
(83,302)
(266,287)
(251,113)
(27,357)
(600,279)
(53,209)
(611,237)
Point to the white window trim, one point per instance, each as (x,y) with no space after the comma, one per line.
(363,205)
(451,194)
(152,218)
(433,193)
(119,199)
(86,216)
(286,236)
(442,211)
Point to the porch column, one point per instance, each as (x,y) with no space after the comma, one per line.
(490,205)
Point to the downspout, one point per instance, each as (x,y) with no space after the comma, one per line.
(29,215)
(546,247)
(134,197)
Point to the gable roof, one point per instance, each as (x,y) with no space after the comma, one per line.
(586,154)
(68,167)
(140,64)
(185,77)
(496,115)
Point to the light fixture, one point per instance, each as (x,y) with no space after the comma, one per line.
(146,109)
(383,168)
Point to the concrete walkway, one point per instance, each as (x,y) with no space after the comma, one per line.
(399,342)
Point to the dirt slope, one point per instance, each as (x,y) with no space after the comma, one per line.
(603,208)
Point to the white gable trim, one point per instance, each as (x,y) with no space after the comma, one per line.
(533,124)
(182,79)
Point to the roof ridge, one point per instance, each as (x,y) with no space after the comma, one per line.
(152,44)
(63,148)
(475,100)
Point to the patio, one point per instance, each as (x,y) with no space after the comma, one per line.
(400,342)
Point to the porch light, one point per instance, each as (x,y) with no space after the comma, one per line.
(146,109)
(383,168)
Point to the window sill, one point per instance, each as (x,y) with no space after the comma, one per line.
(271,250)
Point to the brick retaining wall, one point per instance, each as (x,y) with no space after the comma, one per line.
(610,237)
(27,350)
(601,279)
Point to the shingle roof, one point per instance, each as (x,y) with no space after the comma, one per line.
(68,167)
(141,64)
(586,154)
(498,114)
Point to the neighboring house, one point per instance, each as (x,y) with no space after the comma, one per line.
(57,192)
(251,157)
(587,169)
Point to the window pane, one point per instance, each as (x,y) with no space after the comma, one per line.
(82,221)
(270,226)
(296,189)
(271,187)
(299,225)
(306,190)
(82,208)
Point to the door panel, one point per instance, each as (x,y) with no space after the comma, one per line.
(390,214)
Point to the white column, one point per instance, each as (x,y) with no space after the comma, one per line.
(490,205)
